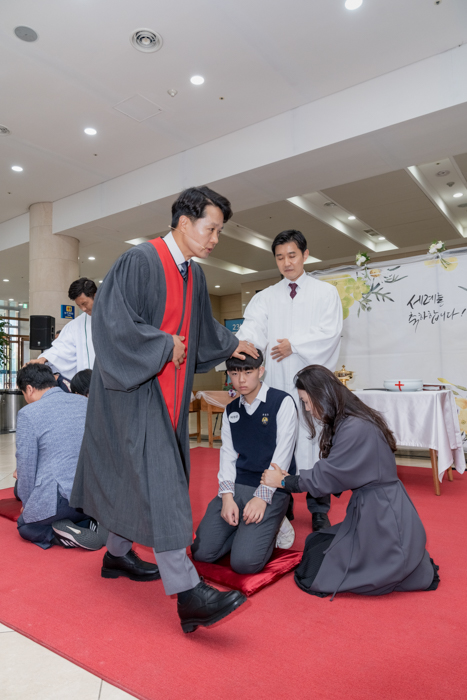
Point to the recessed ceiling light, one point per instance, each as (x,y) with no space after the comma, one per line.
(172,92)
(353,4)
(17,168)
(25,33)
(10,299)
(217,286)
(90,132)
(442,173)
(100,281)
(6,280)
(91,258)
(197,80)
(381,238)
(247,292)
(458,194)
(351,218)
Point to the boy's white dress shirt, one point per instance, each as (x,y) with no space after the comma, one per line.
(287,427)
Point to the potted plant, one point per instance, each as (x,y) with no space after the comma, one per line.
(4,342)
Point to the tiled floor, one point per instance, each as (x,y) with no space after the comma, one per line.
(28,671)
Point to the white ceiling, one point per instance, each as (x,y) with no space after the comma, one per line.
(262,58)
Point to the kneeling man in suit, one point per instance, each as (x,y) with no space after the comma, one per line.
(48,440)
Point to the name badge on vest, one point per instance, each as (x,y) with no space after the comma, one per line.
(234,417)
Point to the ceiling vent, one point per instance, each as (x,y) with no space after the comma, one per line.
(462,206)
(146,40)
(443,173)
(371,232)
(4,131)
(330,204)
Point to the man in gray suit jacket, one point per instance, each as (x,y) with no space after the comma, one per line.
(48,440)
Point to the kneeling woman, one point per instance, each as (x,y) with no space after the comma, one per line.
(380,546)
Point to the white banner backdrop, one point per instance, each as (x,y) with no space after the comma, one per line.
(406,319)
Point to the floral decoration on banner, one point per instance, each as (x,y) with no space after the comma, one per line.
(362,259)
(438,247)
(461,402)
(365,289)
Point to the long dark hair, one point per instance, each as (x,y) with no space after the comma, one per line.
(81,382)
(332,403)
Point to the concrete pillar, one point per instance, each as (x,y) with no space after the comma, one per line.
(53,264)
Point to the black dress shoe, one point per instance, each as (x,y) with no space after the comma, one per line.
(130,566)
(205,605)
(319,521)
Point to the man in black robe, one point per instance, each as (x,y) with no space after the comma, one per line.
(152,330)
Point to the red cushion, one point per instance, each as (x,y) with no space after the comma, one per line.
(10,508)
(281,562)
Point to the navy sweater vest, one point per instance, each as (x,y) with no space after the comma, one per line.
(255,437)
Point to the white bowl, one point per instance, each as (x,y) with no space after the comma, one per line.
(403,384)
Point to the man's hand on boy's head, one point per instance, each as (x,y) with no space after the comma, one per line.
(281,351)
(254,510)
(229,512)
(245,348)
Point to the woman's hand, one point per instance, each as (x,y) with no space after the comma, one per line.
(273,477)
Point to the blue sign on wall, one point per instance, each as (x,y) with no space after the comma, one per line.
(233,324)
(68,311)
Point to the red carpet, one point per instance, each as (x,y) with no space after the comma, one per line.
(10,507)
(281,644)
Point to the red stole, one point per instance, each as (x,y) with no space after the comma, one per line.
(176,321)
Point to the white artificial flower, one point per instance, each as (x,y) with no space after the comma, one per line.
(433,249)
(439,245)
(360,260)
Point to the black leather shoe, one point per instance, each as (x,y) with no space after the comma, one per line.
(206,605)
(130,566)
(319,521)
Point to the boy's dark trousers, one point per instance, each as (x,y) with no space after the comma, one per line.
(250,546)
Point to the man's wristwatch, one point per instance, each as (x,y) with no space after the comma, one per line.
(283,483)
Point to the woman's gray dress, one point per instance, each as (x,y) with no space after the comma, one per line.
(380,545)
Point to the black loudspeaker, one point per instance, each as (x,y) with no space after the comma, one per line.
(41,332)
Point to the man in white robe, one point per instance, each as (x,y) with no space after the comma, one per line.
(73,351)
(295,323)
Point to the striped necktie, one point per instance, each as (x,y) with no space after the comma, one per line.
(184,270)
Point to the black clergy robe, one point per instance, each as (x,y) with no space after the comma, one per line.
(134,465)
(380,545)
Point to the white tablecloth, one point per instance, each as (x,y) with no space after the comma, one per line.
(220,399)
(422,419)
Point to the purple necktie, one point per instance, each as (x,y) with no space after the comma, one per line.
(293,288)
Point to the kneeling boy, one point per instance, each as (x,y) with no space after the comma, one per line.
(258,428)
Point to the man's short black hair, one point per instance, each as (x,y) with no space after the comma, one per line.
(233,364)
(291,235)
(193,202)
(82,286)
(36,375)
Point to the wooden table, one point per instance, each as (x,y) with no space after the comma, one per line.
(195,407)
(213,402)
